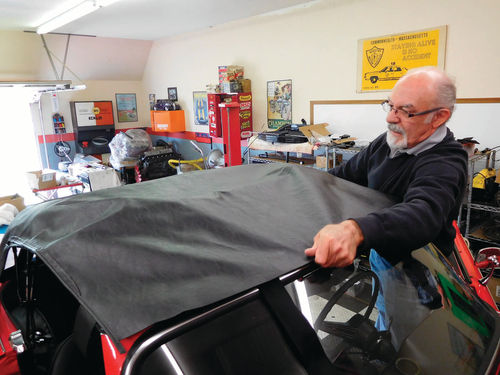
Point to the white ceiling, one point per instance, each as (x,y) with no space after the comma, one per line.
(140,19)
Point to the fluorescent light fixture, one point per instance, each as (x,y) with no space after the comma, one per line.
(73,13)
(105,3)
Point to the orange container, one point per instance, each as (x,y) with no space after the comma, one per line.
(168,121)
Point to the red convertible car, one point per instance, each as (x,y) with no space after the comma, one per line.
(204,273)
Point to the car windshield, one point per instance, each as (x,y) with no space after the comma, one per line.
(433,324)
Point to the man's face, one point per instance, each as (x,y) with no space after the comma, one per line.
(414,94)
(396,137)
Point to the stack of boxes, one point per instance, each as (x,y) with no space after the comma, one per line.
(231,79)
(232,88)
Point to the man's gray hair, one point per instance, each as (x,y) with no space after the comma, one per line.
(446,91)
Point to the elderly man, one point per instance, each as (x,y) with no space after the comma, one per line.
(416,160)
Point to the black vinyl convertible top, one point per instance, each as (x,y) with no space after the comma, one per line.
(142,253)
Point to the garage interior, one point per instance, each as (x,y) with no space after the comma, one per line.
(127,48)
(134,91)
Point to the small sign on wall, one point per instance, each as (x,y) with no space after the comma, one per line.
(126,107)
(383,60)
(92,113)
(279,103)
(200,107)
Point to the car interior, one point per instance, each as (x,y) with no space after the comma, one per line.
(263,333)
(60,337)
(265,330)
(252,336)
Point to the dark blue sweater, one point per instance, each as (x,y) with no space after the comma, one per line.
(430,187)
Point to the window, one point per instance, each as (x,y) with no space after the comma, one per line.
(19,149)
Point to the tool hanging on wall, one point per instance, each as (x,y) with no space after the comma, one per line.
(63,149)
(59,125)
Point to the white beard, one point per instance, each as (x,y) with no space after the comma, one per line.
(396,143)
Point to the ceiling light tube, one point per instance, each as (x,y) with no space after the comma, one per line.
(105,3)
(72,14)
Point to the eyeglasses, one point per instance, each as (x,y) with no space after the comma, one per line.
(388,107)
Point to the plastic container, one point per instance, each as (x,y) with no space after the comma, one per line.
(168,121)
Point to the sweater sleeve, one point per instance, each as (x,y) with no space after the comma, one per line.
(436,186)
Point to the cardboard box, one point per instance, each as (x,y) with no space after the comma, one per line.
(15,200)
(45,179)
(230,73)
(312,132)
(321,161)
(246,85)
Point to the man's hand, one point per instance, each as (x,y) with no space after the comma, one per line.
(335,245)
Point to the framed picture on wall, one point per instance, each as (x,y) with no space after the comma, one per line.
(152,101)
(126,107)
(172,93)
(279,103)
(200,107)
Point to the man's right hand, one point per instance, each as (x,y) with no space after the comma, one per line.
(335,245)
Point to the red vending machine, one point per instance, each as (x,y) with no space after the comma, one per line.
(214,124)
(244,101)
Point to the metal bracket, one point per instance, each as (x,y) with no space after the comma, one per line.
(50,57)
(2,348)
(16,341)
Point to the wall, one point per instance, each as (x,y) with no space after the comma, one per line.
(350,116)
(316,47)
(96,90)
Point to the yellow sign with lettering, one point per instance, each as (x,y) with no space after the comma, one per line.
(382,61)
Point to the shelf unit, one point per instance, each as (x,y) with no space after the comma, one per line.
(286,149)
(335,150)
(488,158)
(329,151)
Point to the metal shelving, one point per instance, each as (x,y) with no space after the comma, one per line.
(489,162)
(334,150)
(483,207)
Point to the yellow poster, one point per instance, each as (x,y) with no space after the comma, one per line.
(384,60)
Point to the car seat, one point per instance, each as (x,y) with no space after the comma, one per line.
(81,352)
